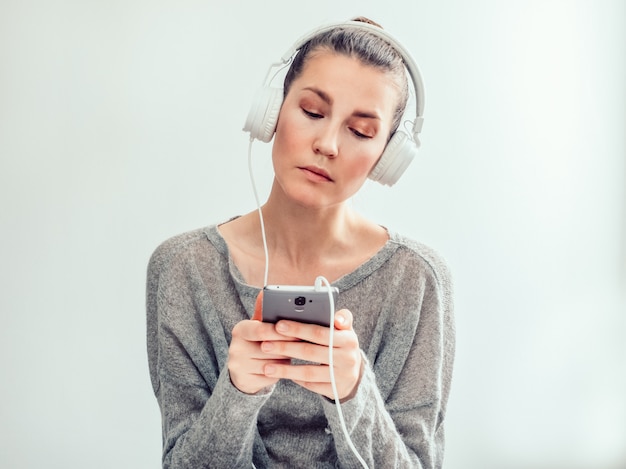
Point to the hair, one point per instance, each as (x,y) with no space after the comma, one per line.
(368,48)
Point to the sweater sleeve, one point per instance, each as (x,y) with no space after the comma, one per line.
(206,421)
(396,418)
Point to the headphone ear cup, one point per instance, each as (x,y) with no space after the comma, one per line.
(263,114)
(396,157)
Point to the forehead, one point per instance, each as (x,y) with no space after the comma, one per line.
(347,79)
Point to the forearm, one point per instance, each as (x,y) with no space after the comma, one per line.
(220,433)
(374,432)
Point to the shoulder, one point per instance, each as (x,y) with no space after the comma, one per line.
(413,254)
(175,246)
(185,246)
(420,260)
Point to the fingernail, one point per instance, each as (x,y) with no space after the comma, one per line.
(282,327)
(341,319)
(267,346)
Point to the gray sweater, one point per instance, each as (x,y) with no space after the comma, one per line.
(402,307)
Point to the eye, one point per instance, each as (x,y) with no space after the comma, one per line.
(311,114)
(360,135)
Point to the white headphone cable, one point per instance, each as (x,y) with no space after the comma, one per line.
(331,301)
(258,204)
(320,279)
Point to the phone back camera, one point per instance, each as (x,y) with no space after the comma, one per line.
(300,300)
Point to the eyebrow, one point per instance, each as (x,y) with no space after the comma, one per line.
(328,100)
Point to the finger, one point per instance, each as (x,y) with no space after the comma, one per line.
(303,331)
(255,331)
(258,308)
(318,334)
(325,389)
(271,350)
(257,367)
(315,378)
(297,349)
(343,319)
(248,376)
(298,373)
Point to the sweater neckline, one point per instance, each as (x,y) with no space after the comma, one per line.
(343,283)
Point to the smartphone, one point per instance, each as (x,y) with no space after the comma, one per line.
(297,303)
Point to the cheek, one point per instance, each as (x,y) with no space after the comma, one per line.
(286,132)
(368,159)
(364,166)
(280,148)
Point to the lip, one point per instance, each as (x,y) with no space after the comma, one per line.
(316,172)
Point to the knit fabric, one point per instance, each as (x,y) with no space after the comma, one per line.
(402,307)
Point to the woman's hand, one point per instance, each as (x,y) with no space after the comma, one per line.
(246,361)
(310,342)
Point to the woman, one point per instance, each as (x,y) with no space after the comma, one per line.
(235,391)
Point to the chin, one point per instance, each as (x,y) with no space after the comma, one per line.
(315,196)
(308,197)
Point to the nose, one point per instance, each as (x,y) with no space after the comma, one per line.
(326,141)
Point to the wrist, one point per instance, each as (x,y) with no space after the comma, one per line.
(355,388)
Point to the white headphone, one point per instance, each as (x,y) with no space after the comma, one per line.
(401,148)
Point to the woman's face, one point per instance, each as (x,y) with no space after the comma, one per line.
(332,128)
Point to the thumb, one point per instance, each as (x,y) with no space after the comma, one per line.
(343,320)
(258,307)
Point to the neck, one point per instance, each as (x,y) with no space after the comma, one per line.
(305,241)
(298,232)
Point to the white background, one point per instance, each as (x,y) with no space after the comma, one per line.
(120,126)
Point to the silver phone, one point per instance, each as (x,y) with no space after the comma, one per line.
(297,303)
